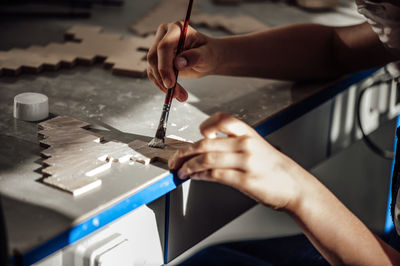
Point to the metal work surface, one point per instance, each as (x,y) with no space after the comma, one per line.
(120,108)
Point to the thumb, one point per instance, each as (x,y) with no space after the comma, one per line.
(180,93)
(224,123)
(190,58)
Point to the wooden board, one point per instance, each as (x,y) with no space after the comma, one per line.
(74,156)
(63,121)
(317,4)
(163,12)
(232,25)
(155,154)
(227,2)
(171,10)
(87,44)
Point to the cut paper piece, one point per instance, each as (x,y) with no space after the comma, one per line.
(87,44)
(227,2)
(318,4)
(232,25)
(173,10)
(75,155)
(162,12)
(154,154)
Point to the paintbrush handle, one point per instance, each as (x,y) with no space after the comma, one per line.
(158,141)
(164,117)
(181,44)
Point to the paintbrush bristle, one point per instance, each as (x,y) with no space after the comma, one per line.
(157,143)
(158,140)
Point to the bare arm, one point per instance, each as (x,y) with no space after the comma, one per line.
(294,52)
(336,232)
(304,51)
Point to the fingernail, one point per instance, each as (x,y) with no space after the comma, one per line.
(181,174)
(182,95)
(212,135)
(181,62)
(167,83)
(171,163)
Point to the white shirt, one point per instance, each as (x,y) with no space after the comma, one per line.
(384,17)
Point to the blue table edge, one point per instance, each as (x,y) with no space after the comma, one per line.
(170,182)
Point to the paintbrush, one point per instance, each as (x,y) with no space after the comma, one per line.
(159,140)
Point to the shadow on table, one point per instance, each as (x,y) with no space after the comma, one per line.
(3,238)
(20,222)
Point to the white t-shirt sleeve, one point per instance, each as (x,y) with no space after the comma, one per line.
(384,17)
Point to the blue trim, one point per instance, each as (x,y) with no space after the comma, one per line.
(170,182)
(166,230)
(388,220)
(293,112)
(96,222)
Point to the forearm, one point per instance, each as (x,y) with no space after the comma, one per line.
(336,232)
(300,52)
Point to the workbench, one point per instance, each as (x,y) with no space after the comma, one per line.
(41,220)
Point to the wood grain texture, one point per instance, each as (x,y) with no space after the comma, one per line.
(227,2)
(232,25)
(318,4)
(155,154)
(163,12)
(86,45)
(63,121)
(172,10)
(75,155)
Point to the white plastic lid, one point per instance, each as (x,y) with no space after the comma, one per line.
(31,106)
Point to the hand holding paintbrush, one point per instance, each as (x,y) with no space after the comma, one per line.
(159,139)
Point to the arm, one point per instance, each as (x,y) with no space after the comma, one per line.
(298,52)
(336,232)
(294,52)
(245,161)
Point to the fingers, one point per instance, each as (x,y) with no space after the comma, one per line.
(166,53)
(210,161)
(160,58)
(152,77)
(229,177)
(204,146)
(238,139)
(181,62)
(224,123)
(152,58)
(180,93)
(190,58)
(223,176)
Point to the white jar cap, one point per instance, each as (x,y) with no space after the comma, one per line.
(31,106)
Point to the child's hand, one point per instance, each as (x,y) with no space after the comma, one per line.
(243,160)
(198,58)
